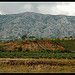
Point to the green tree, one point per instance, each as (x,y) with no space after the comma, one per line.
(31,37)
(20,48)
(24,37)
(70,36)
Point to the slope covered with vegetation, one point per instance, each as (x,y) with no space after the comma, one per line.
(38,48)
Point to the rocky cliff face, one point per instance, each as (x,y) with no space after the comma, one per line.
(40,25)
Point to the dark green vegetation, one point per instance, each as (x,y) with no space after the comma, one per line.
(69,45)
(24,37)
(37,55)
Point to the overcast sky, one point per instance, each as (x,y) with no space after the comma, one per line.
(54,8)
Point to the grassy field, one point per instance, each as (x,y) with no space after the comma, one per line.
(21,65)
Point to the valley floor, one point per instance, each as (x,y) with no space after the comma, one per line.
(42,65)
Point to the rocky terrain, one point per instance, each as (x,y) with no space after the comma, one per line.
(13,26)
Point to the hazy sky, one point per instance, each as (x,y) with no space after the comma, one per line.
(54,8)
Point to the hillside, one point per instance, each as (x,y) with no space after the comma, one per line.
(34,45)
(40,44)
(38,48)
(13,26)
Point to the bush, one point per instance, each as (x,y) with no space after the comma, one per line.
(1,48)
(67,51)
(35,41)
(15,48)
(24,42)
(20,48)
(48,50)
(27,50)
(58,50)
(57,41)
(42,50)
(41,38)
(11,40)
(16,40)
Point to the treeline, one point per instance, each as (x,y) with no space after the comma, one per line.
(24,37)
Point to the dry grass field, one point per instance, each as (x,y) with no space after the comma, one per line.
(20,65)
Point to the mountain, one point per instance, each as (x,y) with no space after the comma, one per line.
(13,26)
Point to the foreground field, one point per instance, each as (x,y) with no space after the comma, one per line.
(9,65)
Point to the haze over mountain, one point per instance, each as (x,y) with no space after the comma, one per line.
(13,26)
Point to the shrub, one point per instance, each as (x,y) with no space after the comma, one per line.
(57,41)
(62,39)
(15,48)
(35,41)
(20,48)
(41,39)
(67,51)
(42,50)
(58,50)
(11,40)
(10,50)
(1,48)
(16,40)
(24,42)
(48,50)
(27,50)
(24,37)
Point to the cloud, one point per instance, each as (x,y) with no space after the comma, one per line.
(67,9)
(11,8)
(54,8)
(46,9)
(32,7)
(1,12)
(28,7)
